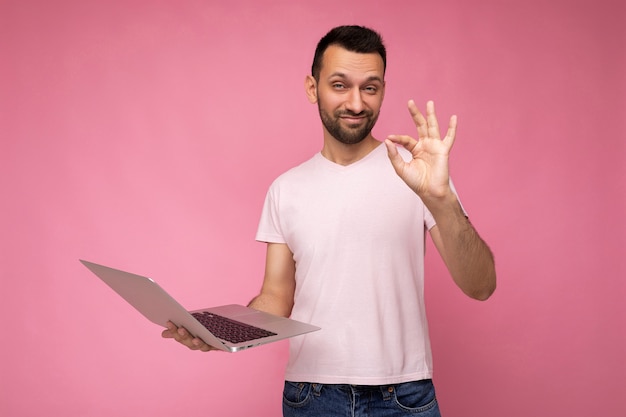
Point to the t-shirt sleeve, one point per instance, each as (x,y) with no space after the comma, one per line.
(269,229)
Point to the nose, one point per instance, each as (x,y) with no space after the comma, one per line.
(354,101)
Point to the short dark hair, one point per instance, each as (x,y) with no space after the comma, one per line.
(353,38)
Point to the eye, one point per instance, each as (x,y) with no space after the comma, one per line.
(338,86)
(370,89)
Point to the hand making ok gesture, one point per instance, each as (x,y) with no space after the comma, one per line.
(427,172)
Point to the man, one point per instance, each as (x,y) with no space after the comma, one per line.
(345,245)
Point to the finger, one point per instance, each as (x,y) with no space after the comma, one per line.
(169,332)
(198,344)
(431,120)
(391,148)
(418,119)
(184,337)
(192,342)
(187,339)
(207,348)
(451,133)
(394,156)
(405,141)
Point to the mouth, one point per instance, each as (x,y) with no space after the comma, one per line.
(353,119)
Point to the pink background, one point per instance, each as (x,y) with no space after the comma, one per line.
(144,135)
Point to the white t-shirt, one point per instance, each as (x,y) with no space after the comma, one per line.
(357,233)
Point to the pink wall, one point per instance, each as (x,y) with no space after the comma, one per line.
(144,135)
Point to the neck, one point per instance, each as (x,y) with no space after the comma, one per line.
(343,154)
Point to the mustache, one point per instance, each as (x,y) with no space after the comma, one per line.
(350,113)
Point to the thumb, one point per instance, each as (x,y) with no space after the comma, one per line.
(394,156)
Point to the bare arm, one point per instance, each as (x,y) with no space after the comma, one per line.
(279,284)
(466,255)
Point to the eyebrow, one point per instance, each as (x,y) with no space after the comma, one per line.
(368,79)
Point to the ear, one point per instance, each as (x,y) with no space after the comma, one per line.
(310,88)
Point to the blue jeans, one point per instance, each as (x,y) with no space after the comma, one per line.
(416,398)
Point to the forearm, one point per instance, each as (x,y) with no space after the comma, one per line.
(279,284)
(466,255)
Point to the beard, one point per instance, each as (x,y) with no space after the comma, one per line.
(354,133)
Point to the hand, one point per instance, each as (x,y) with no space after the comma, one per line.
(181,335)
(427,173)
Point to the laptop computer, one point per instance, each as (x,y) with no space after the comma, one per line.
(230,328)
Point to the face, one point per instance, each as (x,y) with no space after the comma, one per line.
(349,93)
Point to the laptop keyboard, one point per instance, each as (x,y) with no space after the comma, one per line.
(230,330)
